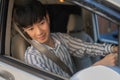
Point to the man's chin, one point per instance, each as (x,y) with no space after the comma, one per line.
(42,41)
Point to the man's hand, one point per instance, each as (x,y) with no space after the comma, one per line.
(108,60)
(114,49)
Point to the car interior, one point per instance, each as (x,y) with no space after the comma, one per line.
(65,17)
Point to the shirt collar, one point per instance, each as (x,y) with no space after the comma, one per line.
(57,44)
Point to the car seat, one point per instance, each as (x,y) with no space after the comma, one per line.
(18,45)
(75,29)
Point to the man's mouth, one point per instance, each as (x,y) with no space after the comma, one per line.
(42,37)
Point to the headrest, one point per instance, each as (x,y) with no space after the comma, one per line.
(74,23)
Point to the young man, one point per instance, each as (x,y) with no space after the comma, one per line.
(34,20)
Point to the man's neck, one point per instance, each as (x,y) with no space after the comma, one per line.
(51,43)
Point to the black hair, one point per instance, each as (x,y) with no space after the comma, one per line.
(28,14)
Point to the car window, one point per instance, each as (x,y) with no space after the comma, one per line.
(106,30)
(60,14)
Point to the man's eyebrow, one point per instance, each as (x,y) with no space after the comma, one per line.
(42,20)
(28,27)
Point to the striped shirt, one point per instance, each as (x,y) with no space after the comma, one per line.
(65,46)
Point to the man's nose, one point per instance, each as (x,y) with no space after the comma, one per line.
(38,30)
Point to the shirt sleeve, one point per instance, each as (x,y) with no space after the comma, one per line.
(80,48)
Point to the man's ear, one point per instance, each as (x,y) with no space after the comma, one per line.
(48,18)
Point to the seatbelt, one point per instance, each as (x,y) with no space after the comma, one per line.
(45,52)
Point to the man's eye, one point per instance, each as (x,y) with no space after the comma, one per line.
(30,29)
(42,22)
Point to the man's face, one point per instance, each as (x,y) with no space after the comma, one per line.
(39,31)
